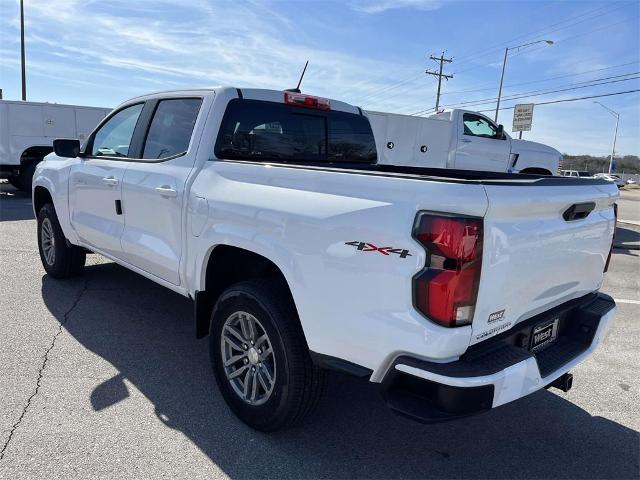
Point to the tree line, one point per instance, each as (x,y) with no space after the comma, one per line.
(626,164)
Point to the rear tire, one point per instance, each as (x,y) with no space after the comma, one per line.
(260,357)
(59,258)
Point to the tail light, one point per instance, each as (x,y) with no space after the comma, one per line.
(301,100)
(615,223)
(447,289)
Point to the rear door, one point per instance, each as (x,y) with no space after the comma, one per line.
(95,184)
(478,148)
(534,258)
(153,192)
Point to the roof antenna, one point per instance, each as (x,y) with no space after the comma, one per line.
(297,89)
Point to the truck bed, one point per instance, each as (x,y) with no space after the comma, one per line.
(439,174)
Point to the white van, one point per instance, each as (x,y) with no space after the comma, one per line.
(27,131)
(458,139)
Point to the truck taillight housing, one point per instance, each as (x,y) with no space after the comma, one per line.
(447,289)
(307,101)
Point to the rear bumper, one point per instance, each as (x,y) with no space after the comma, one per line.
(499,370)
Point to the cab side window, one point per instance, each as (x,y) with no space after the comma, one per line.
(171,128)
(114,137)
(478,126)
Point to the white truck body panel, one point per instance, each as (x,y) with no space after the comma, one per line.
(439,141)
(35,124)
(352,305)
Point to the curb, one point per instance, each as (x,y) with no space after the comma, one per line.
(629,222)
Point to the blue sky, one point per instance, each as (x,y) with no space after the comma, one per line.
(370,53)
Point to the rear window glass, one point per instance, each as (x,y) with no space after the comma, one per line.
(275,132)
(171,127)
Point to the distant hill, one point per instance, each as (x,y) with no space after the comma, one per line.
(626,164)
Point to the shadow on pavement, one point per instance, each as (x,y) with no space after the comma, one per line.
(14,204)
(146,332)
(627,237)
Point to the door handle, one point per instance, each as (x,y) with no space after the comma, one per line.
(465,140)
(166,191)
(111,181)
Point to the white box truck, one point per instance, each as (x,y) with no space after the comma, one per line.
(457,139)
(27,131)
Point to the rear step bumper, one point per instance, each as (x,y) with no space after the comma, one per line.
(501,369)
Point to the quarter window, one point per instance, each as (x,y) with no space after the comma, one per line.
(478,126)
(114,137)
(171,128)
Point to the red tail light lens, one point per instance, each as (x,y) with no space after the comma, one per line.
(301,100)
(447,289)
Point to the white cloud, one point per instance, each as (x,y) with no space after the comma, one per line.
(241,44)
(378,6)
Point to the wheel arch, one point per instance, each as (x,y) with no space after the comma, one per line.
(41,196)
(35,153)
(225,266)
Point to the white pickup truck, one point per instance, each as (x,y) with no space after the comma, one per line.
(27,131)
(459,139)
(456,291)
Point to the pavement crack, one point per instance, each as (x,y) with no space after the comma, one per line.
(45,359)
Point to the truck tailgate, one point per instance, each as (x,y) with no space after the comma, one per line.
(534,259)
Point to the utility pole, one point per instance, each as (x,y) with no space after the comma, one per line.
(24,68)
(439,74)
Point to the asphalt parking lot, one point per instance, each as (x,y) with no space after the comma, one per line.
(102,377)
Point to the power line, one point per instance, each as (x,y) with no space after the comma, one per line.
(526,83)
(439,74)
(571,99)
(532,93)
(535,93)
(589,32)
(390,87)
(542,79)
(377,92)
(380,91)
(543,31)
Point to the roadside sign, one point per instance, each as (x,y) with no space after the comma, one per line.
(522,117)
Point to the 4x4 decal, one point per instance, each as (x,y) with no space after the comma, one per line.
(370,247)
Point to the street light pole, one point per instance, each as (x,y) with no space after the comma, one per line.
(615,133)
(613,150)
(22,56)
(504,64)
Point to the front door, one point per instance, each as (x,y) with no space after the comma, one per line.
(95,184)
(153,191)
(479,148)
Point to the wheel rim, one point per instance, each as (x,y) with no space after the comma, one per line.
(48,241)
(247,356)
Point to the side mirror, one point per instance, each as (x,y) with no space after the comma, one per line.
(500,132)
(66,147)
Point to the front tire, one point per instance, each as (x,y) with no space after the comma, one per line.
(59,259)
(260,357)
